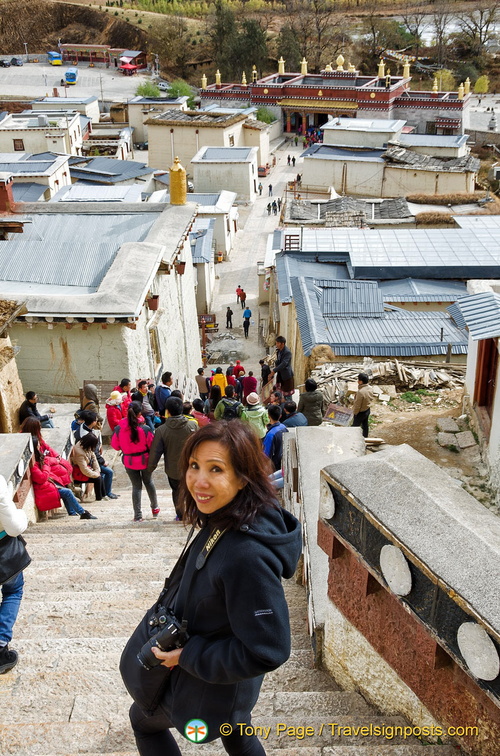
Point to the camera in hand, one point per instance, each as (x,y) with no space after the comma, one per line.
(172,634)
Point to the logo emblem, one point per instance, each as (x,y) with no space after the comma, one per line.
(196,730)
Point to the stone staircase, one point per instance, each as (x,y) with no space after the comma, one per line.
(87,587)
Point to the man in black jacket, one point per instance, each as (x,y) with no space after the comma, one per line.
(29,409)
(283,367)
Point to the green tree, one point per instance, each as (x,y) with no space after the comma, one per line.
(466,70)
(446,80)
(180,88)
(171,35)
(482,85)
(148,89)
(287,45)
(223,33)
(265,115)
(250,48)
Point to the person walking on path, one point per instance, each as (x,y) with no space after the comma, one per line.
(202,384)
(162,392)
(293,161)
(134,439)
(249,385)
(229,315)
(256,415)
(219,379)
(361,406)
(238,293)
(288,159)
(168,442)
(275,208)
(269,208)
(13,522)
(296,140)
(260,189)
(247,314)
(279,203)
(265,371)
(243,299)
(270,190)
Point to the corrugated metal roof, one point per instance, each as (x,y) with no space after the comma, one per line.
(58,263)
(460,253)
(422,290)
(334,152)
(396,333)
(25,167)
(28,192)
(201,240)
(366,125)
(288,266)
(480,313)
(433,140)
(108,171)
(82,192)
(347,299)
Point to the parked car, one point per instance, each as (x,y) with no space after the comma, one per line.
(141,145)
(163,85)
(4,63)
(16,62)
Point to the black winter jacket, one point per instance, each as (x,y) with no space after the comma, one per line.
(237,620)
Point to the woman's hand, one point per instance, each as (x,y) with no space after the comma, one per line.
(169,658)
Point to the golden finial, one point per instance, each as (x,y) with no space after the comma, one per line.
(203,82)
(406,69)
(381,69)
(461,90)
(217,78)
(340,63)
(303,67)
(467,86)
(244,79)
(281,65)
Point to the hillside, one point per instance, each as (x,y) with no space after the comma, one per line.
(41,24)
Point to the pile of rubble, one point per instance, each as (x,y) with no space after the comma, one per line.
(338,380)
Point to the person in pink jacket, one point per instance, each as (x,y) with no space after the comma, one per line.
(133,438)
(116,409)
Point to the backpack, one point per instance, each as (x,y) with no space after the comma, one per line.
(231,409)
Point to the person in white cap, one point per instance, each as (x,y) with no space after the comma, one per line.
(13,522)
(256,414)
(114,409)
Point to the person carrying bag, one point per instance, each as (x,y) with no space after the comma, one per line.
(14,558)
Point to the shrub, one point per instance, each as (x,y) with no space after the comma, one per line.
(459,198)
(410,396)
(434,219)
(265,115)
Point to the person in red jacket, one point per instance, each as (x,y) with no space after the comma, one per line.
(134,438)
(50,480)
(125,388)
(249,385)
(115,409)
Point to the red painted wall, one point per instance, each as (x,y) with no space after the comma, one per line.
(442,686)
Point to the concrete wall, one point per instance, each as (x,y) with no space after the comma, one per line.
(258,138)
(240,177)
(224,230)
(168,142)
(64,139)
(205,275)
(137,116)
(61,177)
(419,117)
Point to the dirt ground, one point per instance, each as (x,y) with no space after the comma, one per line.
(402,422)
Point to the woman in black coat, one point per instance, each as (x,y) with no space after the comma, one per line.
(230,594)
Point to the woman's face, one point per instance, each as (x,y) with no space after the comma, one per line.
(211,478)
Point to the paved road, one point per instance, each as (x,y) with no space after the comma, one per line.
(38,80)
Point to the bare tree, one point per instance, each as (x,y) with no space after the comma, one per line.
(441,18)
(415,22)
(477,28)
(318,27)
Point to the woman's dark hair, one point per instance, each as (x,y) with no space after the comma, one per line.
(32,426)
(249,463)
(215,396)
(198,404)
(177,395)
(89,441)
(88,416)
(133,412)
(218,370)
(187,408)
(136,396)
(311,384)
(36,452)
(279,395)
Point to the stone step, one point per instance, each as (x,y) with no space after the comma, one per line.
(352,750)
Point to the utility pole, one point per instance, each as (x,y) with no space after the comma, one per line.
(102,95)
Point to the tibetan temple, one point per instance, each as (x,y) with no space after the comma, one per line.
(304,100)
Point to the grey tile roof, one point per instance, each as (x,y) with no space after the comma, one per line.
(334,152)
(87,192)
(398,333)
(309,211)
(196,118)
(432,140)
(480,313)
(230,154)
(414,160)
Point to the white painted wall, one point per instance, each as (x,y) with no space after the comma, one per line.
(167,142)
(240,177)
(378,179)
(90,109)
(366,138)
(59,178)
(65,137)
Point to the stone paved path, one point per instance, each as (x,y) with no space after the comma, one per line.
(87,587)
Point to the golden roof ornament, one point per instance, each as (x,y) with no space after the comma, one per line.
(244,79)
(328,68)
(303,66)
(381,69)
(351,68)
(217,78)
(281,65)
(340,63)
(203,82)
(467,86)
(461,91)
(406,69)
(435,85)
